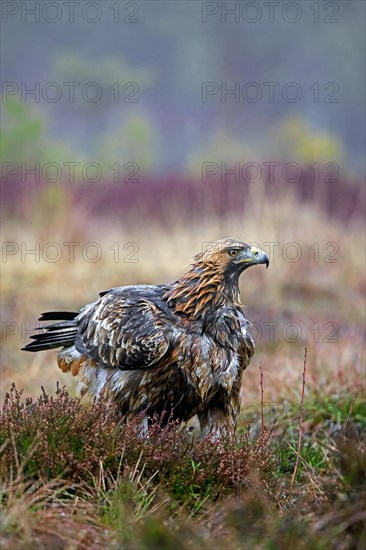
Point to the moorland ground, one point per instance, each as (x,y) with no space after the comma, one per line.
(71,478)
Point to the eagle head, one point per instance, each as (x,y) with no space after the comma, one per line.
(213,278)
(232,256)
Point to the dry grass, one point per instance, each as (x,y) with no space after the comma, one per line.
(126,508)
(165,491)
(307,292)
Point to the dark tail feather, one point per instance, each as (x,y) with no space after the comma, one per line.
(58,316)
(55,335)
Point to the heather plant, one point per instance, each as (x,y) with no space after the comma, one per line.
(66,437)
(72,477)
(63,437)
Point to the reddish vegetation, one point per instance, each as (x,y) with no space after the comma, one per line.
(154,196)
(73,479)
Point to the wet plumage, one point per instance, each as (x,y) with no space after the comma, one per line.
(179,347)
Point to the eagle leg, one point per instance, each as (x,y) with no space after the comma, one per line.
(217,420)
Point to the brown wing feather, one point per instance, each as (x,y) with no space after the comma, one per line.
(123,333)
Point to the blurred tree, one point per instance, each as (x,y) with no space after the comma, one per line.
(24,138)
(21,133)
(96,93)
(133,140)
(297,141)
(222,147)
(84,70)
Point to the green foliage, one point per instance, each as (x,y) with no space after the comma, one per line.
(164,490)
(76,67)
(133,140)
(24,137)
(337,409)
(298,141)
(22,132)
(325,419)
(65,438)
(222,147)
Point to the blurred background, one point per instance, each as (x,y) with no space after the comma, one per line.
(136,133)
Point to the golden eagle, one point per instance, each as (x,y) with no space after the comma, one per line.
(179,347)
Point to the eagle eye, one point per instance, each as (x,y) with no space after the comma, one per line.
(234,252)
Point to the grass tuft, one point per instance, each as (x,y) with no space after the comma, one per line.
(73,478)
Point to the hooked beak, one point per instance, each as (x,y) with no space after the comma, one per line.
(263,258)
(256,256)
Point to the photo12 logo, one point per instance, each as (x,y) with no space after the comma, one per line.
(70,172)
(270,171)
(294,332)
(70,252)
(269,92)
(269,12)
(70,12)
(70,92)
